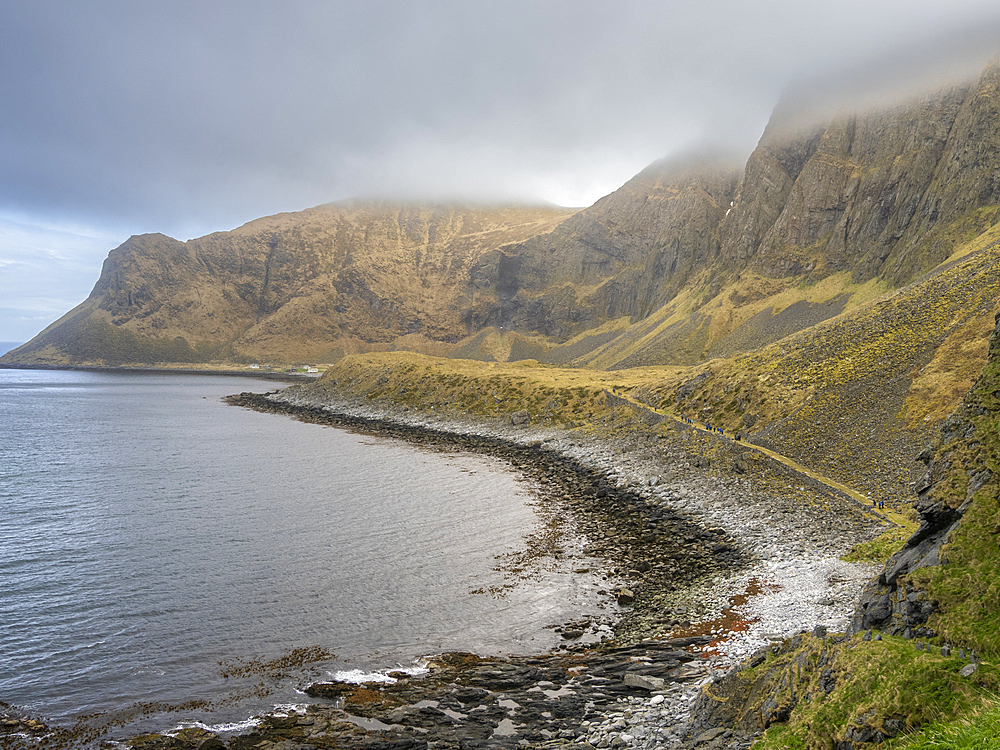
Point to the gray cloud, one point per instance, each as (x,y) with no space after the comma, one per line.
(189,117)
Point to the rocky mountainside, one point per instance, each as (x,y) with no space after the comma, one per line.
(691,259)
(292,287)
(625,256)
(882,196)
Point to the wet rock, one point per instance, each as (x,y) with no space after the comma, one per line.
(470,695)
(329,690)
(626,596)
(520,418)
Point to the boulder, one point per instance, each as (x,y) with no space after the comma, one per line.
(520,418)
(645,681)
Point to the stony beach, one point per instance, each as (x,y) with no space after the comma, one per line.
(707,554)
(712,558)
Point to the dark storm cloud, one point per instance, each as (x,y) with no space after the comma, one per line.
(188,117)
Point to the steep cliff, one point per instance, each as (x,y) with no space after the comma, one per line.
(625,256)
(861,192)
(301,286)
(691,259)
(882,196)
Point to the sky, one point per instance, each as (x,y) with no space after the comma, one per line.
(132,116)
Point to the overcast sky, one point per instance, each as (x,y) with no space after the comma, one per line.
(118,118)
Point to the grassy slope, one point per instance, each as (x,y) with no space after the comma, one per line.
(854,688)
(562,396)
(894,681)
(868,388)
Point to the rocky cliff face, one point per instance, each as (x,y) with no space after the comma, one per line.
(626,255)
(690,259)
(290,287)
(862,191)
(881,195)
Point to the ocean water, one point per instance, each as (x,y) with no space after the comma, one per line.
(158,546)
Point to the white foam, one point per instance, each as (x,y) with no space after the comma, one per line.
(238,726)
(359,677)
(289,709)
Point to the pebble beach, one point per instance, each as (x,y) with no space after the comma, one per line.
(773,549)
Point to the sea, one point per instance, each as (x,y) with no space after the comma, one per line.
(169,560)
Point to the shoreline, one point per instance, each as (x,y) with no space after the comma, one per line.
(788,578)
(636,539)
(720,563)
(281,377)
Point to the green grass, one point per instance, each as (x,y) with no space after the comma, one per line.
(979,731)
(882,547)
(878,684)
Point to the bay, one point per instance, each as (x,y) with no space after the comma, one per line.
(155,542)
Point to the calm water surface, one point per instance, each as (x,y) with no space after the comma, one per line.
(150,533)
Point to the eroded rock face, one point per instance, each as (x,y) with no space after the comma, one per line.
(291,287)
(863,193)
(846,195)
(626,255)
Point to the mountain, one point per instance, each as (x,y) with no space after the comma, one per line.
(882,196)
(691,259)
(302,286)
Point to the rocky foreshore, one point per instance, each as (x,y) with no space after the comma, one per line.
(713,559)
